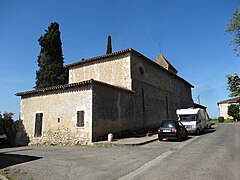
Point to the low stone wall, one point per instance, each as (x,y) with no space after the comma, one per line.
(62,136)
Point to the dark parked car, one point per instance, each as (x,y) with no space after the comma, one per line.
(3,138)
(172,129)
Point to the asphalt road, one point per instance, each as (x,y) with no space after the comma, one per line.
(214,155)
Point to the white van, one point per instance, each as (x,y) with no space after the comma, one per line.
(195,120)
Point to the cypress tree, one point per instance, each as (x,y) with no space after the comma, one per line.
(109,45)
(50,60)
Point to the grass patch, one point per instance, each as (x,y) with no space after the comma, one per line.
(15,173)
(214,121)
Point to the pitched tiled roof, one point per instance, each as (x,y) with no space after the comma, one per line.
(170,66)
(124,52)
(233,100)
(72,85)
(104,56)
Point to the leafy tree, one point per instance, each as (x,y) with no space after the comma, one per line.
(50,60)
(233,110)
(234,28)
(109,45)
(7,123)
(10,128)
(233,84)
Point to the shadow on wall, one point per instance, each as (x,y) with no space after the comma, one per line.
(21,138)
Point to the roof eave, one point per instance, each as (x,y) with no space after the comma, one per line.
(72,85)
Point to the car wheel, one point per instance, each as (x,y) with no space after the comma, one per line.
(179,138)
(197,132)
(160,139)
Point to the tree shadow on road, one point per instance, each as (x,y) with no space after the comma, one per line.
(7,160)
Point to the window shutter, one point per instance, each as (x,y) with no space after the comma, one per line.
(38,125)
(80,118)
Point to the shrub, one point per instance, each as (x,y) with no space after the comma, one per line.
(220,119)
(233,110)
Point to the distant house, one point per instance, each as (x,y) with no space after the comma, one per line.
(223,106)
(115,93)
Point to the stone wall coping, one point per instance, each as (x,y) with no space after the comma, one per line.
(72,85)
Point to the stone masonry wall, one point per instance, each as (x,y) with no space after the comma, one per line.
(112,111)
(59,116)
(158,93)
(114,71)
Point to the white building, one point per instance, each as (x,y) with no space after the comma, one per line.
(223,107)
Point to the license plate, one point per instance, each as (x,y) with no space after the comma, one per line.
(166,130)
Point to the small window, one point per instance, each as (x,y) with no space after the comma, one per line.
(80,119)
(38,125)
(143,101)
(141,70)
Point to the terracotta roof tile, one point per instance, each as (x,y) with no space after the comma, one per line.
(72,85)
(232,100)
(102,57)
(123,52)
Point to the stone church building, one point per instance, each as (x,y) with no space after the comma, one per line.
(115,93)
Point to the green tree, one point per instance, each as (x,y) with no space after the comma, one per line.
(233,110)
(109,45)
(233,27)
(233,84)
(50,60)
(10,128)
(6,122)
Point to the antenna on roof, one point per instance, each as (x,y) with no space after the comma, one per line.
(198,99)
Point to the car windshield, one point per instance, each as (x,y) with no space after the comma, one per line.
(188,117)
(167,124)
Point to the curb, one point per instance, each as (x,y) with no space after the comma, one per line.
(127,144)
(141,143)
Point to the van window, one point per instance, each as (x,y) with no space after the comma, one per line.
(188,117)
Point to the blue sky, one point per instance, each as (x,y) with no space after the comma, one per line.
(191,33)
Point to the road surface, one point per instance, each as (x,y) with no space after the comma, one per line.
(214,155)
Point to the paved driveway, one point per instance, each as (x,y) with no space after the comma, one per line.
(213,154)
(81,162)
